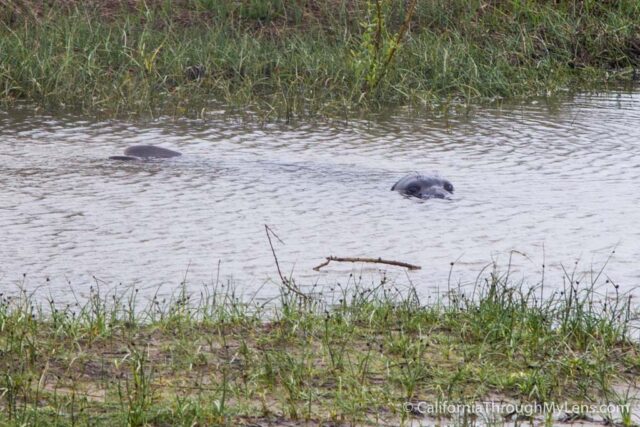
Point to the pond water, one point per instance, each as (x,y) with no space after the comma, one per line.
(556,182)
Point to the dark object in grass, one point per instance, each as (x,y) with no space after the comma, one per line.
(146,152)
(195,72)
(424,187)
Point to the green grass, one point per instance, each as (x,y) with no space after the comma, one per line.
(352,356)
(285,59)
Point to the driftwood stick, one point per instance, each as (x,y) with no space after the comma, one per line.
(372,260)
(318,267)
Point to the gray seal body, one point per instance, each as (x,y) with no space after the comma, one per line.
(137,152)
(424,186)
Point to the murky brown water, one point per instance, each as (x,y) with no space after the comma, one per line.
(557,183)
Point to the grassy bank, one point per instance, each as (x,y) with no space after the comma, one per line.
(353,358)
(292,58)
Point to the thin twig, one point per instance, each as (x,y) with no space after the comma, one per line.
(371,260)
(394,47)
(269,231)
(285,282)
(378,38)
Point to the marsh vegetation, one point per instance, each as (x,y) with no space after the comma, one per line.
(285,59)
(353,355)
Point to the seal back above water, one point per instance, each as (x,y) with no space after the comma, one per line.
(138,152)
(124,158)
(146,151)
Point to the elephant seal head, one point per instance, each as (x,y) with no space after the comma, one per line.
(424,186)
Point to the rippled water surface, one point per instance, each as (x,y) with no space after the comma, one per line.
(556,183)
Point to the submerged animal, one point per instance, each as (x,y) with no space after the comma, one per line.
(424,186)
(137,152)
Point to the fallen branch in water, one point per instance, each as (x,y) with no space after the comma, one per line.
(372,260)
